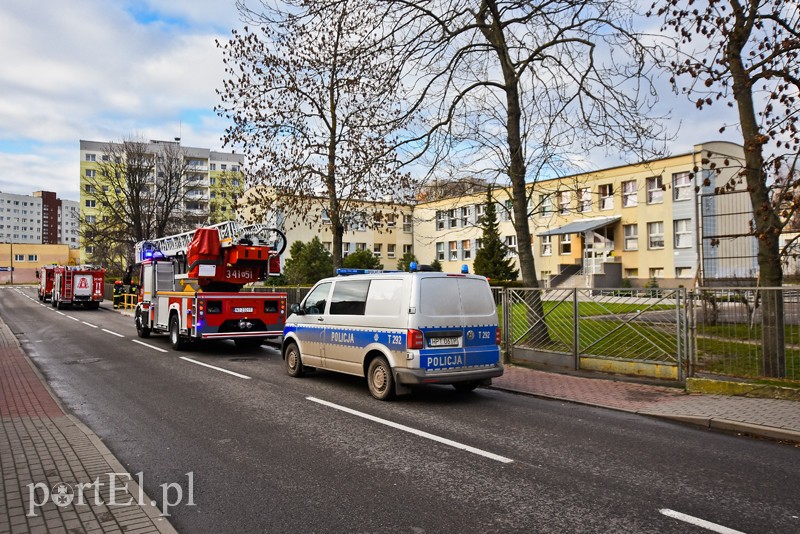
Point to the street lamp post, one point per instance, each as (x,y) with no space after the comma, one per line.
(12,259)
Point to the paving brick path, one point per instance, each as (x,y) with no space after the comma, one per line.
(44,450)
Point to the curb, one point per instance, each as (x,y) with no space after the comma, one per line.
(726,425)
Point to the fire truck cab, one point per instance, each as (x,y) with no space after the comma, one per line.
(45,275)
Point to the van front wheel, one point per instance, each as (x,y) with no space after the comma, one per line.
(294,363)
(379,379)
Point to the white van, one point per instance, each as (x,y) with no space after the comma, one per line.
(398,329)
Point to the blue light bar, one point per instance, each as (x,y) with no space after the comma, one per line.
(464,269)
(412,266)
(348,272)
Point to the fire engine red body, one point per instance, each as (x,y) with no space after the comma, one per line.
(77,285)
(196,295)
(45,275)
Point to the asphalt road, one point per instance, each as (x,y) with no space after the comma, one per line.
(268,453)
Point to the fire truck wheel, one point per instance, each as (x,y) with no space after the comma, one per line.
(141,330)
(294,362)
(60,305)
(175,337)
(39,294)
(53,301)
(92,305)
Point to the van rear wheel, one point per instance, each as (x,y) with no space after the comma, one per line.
(380,379)
(294,362)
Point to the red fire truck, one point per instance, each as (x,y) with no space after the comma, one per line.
(190,285)
(45,275)
(78,285)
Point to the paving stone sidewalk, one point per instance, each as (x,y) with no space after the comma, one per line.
(770,418)
(44,451)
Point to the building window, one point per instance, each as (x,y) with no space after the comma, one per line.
(480,209)
(511,245)
(545,205)
(565,244)
(655,235)
(19,257)
(90,203)
(466,216)
(606,197)
(656,272)
(655,191)
(440,251)
(213,167)
(683,272)
(361,246)
(377,249)
(391,220)
(681,186)
(631,233)
(234,168)
(90,249)
(547,245)
(452,220)
(326,219)
(91,219)
(440,220)
(91,173)
(683,233)
(212,181)
(631,273)
(585,200)
(408,224)
(104,157)
(223,167)
(478,244)
(505,211)
(328,245)
(453,250)
(629,194)
(466,249)
(408,249)
(390,250)
(564,200)
(91,157)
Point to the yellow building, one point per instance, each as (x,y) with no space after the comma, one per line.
(28,258)
(385,229)
(654,220)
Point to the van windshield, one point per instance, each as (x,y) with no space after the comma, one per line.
(447,297)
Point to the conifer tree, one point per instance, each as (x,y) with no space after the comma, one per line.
(491,260)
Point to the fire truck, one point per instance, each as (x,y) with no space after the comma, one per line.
(45,275)
(77,285)
(190,285)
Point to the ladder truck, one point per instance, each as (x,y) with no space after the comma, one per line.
(190,285)
(74,285)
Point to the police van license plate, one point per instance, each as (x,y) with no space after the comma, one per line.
(243,310)
(443,342)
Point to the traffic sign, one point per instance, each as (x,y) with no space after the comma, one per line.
(6,269)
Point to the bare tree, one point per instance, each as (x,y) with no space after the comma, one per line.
(311,93)
(746,54)
(519,87)
(137,191)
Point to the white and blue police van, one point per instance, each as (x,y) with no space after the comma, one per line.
(398,329)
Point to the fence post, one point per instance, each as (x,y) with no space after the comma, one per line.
(679,334)
(575,351)
(691,333)
(504,299)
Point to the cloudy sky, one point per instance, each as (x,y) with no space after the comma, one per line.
(103,70)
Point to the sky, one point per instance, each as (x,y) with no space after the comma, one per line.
(105,70)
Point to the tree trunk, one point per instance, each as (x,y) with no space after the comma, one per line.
(766,220)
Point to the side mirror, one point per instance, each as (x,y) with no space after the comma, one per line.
(295,308)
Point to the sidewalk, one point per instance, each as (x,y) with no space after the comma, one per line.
(46,452)
(769,418)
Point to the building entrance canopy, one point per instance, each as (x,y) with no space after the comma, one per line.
(580,226)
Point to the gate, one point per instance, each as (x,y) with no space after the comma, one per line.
(634,332)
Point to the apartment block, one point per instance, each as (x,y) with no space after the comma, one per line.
(40,218)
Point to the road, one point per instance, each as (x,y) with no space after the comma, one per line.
(268,453)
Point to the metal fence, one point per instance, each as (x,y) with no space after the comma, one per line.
(746,332)
(615,330)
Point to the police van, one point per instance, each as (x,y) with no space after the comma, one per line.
(398,329)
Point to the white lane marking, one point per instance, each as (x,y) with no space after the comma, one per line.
(112,333)
(696,521)
(215,368)
(89,324)
(414,431)
(61,313)
(73,318)
(148,345)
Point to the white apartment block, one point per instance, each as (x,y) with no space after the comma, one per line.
(20,219)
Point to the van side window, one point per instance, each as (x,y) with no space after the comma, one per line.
(385,298)
(316,300)
(349,297)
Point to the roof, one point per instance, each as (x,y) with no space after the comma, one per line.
(582,225)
